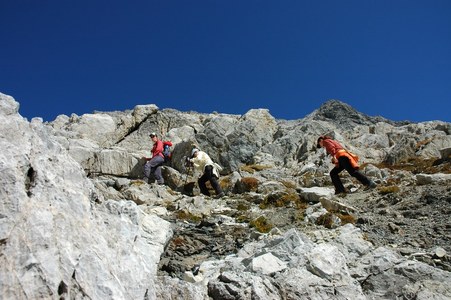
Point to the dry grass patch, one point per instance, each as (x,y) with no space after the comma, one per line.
(280,200)
(330,220)
(418,165)
(243,207)
(242,219)
(347,219)
(383,190)
(422,143)
(138,182)
(288,184)
(327,220)
(261,224)
(252,168)
(250,184)
(178,241)
(225,183)
(184,215)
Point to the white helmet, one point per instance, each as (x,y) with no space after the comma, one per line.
(194,151)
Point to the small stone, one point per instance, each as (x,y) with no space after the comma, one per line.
(439,252)
(393,227)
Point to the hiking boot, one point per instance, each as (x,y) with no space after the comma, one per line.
(341,195)
(370,186)
(341,192)
(220,195)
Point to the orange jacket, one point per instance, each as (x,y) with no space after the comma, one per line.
(332,147)
(336,150)
(352,158)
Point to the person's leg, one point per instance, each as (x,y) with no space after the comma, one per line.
(158,176)
(147,171)
(155,168)
(344,161)
(339,188)
(202,186)
(214,182)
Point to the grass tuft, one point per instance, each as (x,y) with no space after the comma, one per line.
(261,224)
(383,190)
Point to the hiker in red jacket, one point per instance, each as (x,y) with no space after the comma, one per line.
(342,160)
(153,164)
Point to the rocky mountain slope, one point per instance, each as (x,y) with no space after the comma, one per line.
(78,221)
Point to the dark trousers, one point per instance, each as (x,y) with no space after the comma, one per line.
(208,176)
(344,163)
(153,167)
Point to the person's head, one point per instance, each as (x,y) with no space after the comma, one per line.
(319,142)
(153,136)
(194,152)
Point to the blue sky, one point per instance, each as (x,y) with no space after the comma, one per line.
(387,58)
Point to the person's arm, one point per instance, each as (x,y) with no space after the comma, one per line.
(199,161)
(195,161)
(329,146)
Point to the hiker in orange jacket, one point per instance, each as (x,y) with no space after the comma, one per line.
(342,160)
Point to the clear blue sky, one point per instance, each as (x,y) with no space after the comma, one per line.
(390,58)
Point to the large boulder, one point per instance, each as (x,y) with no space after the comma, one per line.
(59,237)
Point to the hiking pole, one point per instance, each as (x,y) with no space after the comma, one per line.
(187,173)
(188,166)
(186,177)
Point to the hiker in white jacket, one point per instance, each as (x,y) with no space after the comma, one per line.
(210,172)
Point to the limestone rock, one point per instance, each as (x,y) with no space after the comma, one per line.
(78,222)
(58,235)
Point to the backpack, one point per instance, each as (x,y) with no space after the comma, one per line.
(354,159)
(167,153)
(354,156)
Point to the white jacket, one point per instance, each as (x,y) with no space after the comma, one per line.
(202,160)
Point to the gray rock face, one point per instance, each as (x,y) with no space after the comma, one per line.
(59,237)
(344,115)
(77,221)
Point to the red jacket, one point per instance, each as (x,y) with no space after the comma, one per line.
(157,149)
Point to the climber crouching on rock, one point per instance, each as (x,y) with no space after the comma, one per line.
(210,172)
(343,160)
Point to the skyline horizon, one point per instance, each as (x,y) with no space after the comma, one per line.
(227,113)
